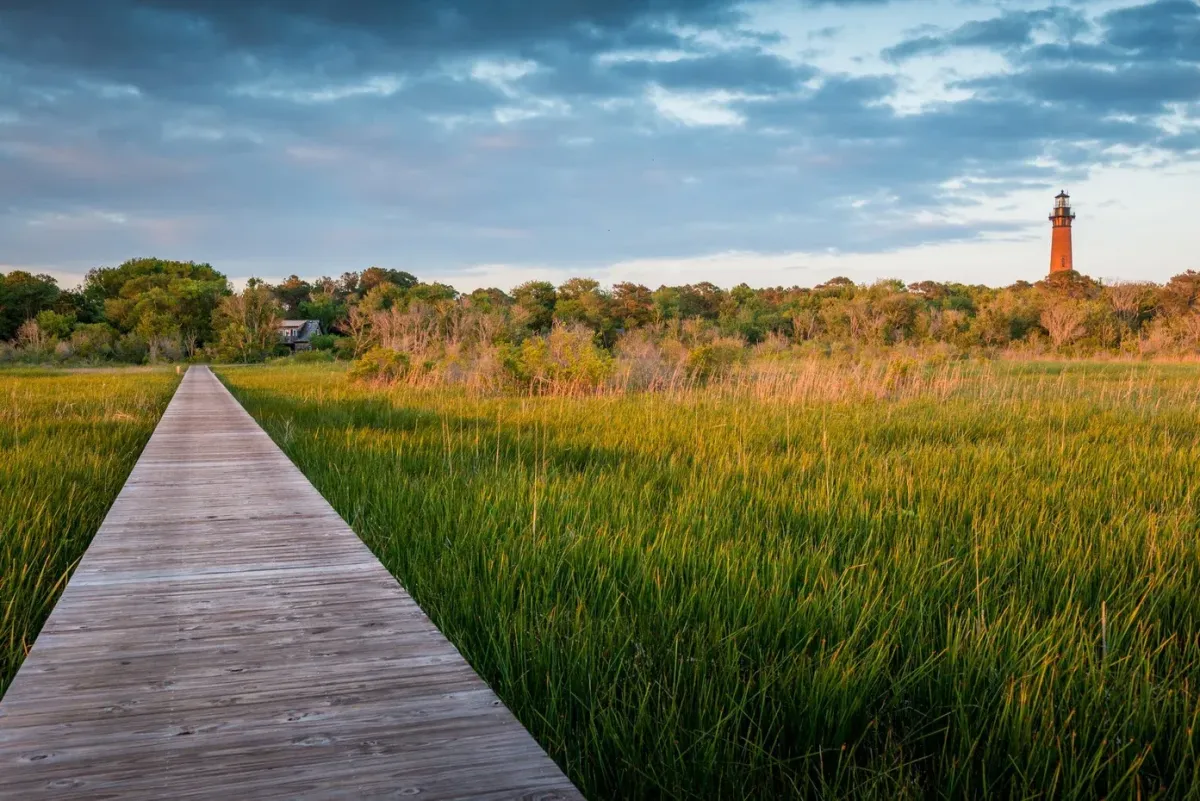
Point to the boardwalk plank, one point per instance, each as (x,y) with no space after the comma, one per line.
(227,636)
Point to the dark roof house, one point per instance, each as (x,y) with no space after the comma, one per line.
(297,334)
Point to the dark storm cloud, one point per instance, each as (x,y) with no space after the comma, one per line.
(1004,33)
(1161,30)
(839,107)
(741,69)
(1136,89)
(205,41)
(1165,30)
(1145,59)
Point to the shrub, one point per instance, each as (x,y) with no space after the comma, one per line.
(32,339)
(343,347)
(900,373)
(131,348)
(568,357)
(309,356)
(93,340)
(381,365)
(323,342)
(54,324)
(715,359)
(641,363)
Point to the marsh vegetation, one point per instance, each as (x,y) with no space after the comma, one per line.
(67,443)
(948,579)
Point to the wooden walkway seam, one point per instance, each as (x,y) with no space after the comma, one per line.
(227,636)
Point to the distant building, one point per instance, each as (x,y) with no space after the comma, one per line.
(1060,237)
(298,334)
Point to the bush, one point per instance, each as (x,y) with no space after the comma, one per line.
(714,359)
(900,373)
(310,356)
(131,348)
(56,325)
(642,364)
(381,365)
(343,347)
(323,342)
(93,340)
(568,357)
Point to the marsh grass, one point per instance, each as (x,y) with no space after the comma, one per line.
(956,581)
(67,443)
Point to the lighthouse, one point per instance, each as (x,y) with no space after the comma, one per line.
(1060,237)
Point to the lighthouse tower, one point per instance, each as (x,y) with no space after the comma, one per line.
(1060,238)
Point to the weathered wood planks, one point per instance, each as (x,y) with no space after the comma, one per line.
(228,636)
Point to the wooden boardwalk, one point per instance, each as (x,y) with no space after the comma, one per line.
(228,636)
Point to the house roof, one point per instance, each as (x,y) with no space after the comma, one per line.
(303,329)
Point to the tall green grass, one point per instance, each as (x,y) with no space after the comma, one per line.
(67,444)
(953,582)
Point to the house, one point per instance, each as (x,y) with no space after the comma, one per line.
(298,334)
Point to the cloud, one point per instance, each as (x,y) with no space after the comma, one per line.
(740,69)
(1165,29)
(1005,33)
(435,135)
(1136,89)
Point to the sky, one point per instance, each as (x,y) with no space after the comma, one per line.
(489,142)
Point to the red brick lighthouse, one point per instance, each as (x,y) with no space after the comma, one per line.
(1060,238)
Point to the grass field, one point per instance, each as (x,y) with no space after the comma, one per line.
(67,442)
(942,582)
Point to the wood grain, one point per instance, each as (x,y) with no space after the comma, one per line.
(228,636)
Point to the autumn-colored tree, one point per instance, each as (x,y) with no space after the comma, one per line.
(247,324)
(1063,320)
(374,276)
(1132,302)
(632,304)
(291,293)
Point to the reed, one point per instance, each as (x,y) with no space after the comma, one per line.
(952,581)
(67,443)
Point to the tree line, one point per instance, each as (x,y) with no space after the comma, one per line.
(148,310)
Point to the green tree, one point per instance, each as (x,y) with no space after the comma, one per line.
(374,276)
(159,298)
(22,296)
(326,307)
(433,293)
(246,324)
(581,301)
(702,300)
(54,324)
(383,296)
(746,314)
(489,300)
(666,304)
(292,292)
(536,301)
